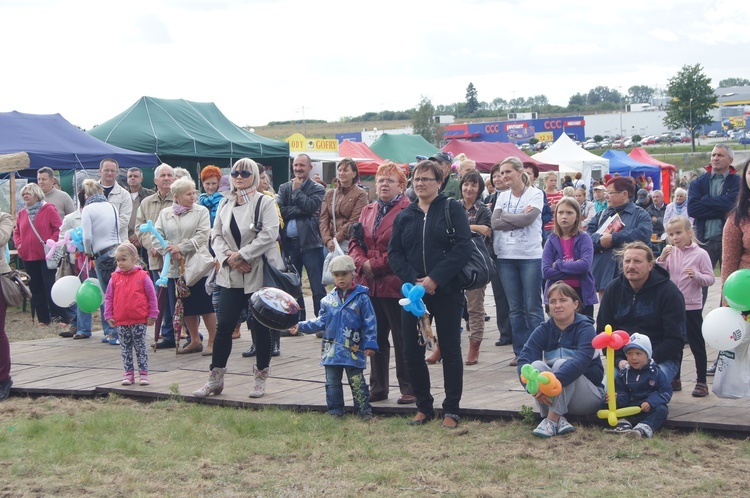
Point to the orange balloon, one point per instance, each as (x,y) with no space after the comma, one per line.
(551,388)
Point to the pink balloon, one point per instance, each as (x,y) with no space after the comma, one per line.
(600,341)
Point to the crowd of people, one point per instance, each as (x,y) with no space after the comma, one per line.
(565,250)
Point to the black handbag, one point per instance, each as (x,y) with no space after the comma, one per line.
(287,279)
(477,272)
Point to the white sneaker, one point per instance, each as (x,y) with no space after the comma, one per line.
(564,427)
(642,431)
(546,429)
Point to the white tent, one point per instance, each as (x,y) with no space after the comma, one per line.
(573,158)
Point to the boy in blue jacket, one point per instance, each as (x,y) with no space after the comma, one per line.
(347,320)
(642,384)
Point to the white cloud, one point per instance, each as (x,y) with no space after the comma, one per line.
(664,35)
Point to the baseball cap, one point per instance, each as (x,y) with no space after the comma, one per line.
(642,193)
(600,187)
(441,157)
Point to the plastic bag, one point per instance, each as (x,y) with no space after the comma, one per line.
(337,251)
(732,378)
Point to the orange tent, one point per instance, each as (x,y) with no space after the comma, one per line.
(667,170)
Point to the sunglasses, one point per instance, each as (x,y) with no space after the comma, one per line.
(244,174)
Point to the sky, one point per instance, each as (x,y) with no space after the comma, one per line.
(264,60)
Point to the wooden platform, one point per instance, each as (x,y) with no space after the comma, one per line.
(491,388)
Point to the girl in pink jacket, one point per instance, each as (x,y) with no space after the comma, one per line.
(690,269)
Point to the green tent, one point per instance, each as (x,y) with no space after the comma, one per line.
(403,149)
(191,135)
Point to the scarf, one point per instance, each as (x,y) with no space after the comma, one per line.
(211,202)
(180,210)
(95,198)
(679,207)
(383,208)
(243,196)
(34,209)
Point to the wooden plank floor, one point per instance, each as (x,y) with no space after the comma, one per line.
(491,388)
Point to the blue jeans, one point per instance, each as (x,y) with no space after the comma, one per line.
(82,321)
(669,368)
(653,418)
(312,261)
(522,282)
(105,265)
(335,391)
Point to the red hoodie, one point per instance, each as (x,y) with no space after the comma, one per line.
(131,298)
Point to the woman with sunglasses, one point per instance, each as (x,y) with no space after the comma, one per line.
(240,246)
(421,252)
(342,206)
(636,225)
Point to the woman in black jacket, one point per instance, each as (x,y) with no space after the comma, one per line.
(420,252)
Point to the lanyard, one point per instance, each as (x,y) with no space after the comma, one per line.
(515,211)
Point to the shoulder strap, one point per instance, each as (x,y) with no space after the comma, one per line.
(258,223)
(448,224)
(333,211)
(34,228)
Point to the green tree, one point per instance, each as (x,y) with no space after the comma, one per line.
(691,100)
(726,83)
(424,121)
(598,138)
(640,94)
(577,101)
(603,94)
(636,138)
(472,102)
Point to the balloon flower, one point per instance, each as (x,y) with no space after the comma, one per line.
(53,245)
(536,381)
(149,227)
(613,341)
(737,290)
(412,300)
(76,238)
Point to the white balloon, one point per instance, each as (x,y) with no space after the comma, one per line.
(404,301)
(64,291)
(724,329)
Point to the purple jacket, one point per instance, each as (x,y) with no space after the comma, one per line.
(583,252)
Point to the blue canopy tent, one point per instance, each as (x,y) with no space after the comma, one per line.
(620,162)
(50,140)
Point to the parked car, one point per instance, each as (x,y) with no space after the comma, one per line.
(605,144)
(685,139)
(745,140)
(618,144)
(714,134)
(590,144)
(649,140)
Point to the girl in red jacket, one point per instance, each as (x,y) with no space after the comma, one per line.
(130,304)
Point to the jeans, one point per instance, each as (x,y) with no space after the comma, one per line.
(105,265)
(522,281)
(167,326)
(670,368)
(83,322)
(653,418)
(335,391)
(312,261)
(231,303)
(445,308)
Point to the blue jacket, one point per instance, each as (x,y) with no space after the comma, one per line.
(549,343)
(346,326)
(703,206)
(583,254)
(633,387)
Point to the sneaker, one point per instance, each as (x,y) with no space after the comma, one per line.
(128,378)
(701,390)
(143,378)
(711,370)
(622,427)
(106,339)
(114,342)
(676,385)
(546,429)
(564,427)
(642,431)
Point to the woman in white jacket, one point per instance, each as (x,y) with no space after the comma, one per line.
(239,247)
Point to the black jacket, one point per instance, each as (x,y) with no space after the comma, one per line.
(657,311)
(303,205)
(420,246)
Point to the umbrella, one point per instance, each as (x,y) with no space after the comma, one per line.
(181,291)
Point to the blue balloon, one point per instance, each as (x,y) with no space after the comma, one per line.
(149,227)
(406,288)
(76,236)
(162,281)
(416,293)
(417,308)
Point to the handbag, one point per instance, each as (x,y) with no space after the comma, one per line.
(51,262)
(477,272)
(14,288)
(287,279)
(197,266)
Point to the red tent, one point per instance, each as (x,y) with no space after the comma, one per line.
(487,154)
(667,170)
(367,160)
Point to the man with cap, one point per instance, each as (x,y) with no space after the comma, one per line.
(450,185)
(600,198)
(643,384)
(642,199)
(643,299)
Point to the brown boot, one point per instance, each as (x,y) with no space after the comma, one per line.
(435,357)
(236,334)
(473,357)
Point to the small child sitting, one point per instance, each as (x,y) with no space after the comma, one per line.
(642,384)
(347,320)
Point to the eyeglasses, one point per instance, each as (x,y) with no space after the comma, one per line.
(610,192)
(423,179)
(244,174)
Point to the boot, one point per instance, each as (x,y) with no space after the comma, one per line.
(260,382)
(275,343)
(435,357)
(473,357)
(250,352)
(214,385)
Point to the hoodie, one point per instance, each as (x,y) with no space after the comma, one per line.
(657,310)
(573,344)
(695,257)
